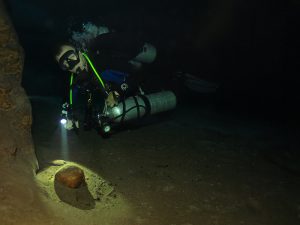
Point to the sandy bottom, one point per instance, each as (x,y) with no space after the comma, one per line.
(192,167)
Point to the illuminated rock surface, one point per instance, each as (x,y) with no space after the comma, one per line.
(70,176)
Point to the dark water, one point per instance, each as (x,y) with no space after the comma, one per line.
(231,157)
(195,165)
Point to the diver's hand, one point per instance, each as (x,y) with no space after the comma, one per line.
(68,125)
(67,118)
(112,99)
(66,110)
(65,106)
(71,124)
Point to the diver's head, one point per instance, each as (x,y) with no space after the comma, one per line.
(69,59)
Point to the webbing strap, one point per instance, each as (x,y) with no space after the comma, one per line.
(95,71)
(71,89)
(123,112)
(72,78)
(147,104)
(137,107)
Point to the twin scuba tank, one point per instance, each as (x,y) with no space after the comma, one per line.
(136,107)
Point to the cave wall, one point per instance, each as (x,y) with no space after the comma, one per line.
(20,198)
(15,110)
(17,158)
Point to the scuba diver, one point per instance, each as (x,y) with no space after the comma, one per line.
(107,69)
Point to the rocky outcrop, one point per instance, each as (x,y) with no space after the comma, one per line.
(70,176)
(19,195)
(15,110)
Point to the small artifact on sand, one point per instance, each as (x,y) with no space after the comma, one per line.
(70,176)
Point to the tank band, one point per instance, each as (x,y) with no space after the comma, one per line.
(147,104)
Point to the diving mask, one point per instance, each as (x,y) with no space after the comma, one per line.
(69,60)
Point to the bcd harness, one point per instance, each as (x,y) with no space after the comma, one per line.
(95,73)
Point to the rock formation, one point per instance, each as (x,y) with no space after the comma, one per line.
(19,195)
(15,109)
(70,176)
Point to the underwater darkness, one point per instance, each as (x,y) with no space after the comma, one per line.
(247,47)
(227,157)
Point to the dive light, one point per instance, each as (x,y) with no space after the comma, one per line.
(63,121)
(64,113)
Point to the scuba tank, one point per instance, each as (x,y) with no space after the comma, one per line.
(136,107)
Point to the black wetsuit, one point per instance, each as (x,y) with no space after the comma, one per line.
(110,51)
